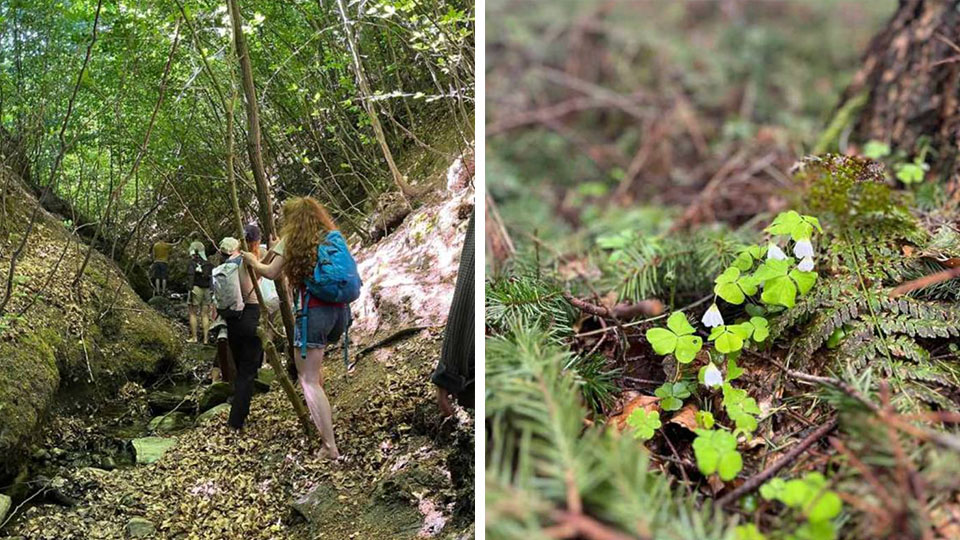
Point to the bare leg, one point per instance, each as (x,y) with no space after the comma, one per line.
(204,324)
(311,381)
(193,324)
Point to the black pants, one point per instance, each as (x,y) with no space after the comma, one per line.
(247,351)
(456,371)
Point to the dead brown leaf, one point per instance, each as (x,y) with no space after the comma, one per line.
(647,403)
(686,417)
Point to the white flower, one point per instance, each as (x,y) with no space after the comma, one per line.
(774,252)
(803,249)
(712,376)
(712,317)
(806,264)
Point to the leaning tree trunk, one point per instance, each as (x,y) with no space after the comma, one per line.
(910,77)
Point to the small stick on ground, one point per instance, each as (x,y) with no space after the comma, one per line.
(584,526)
(647,308)
(943,440)
(758,479)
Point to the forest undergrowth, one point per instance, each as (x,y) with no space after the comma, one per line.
(795,377)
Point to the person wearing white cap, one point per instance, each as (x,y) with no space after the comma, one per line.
(245,345)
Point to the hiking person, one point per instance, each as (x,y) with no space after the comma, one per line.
(455,372)
(236,303)
(159,268)
(268,289)
(224,369)
(198,301)
(314,257)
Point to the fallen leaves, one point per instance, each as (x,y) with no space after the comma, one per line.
(648,403)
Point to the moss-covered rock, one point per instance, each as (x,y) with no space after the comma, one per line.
(213,413)
(169,422)
(150,449)
(5,504)
(214,395)
(63,345)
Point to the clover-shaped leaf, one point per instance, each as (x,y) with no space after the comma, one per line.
(761,328)
(810,494)
(644,423)
(876,149)
(741,408)
(799,227)
(910,173)
(748,531)
(676,339)
(704,419)
(747,256)
(733,370)
(781,284)
(773,489)
(804,280)
(672,395)
(815,530)
(733,286)
(716,452)
(729,338)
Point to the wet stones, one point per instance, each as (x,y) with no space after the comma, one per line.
(161,402)
(150,449)
(213,412)
(214,395)
(166,423)
(265,377)
(139,527)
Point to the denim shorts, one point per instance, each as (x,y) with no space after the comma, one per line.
(325,324)
(160,270)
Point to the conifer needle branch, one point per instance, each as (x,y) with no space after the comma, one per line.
(925,281)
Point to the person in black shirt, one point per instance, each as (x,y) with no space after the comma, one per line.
(199,301)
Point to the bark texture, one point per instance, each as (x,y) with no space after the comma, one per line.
(911,74)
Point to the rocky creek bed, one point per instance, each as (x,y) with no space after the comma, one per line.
(159,462)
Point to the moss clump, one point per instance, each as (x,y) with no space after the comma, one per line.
(852,192)
(28,379)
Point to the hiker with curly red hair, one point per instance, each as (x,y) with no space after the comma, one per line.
(314,257)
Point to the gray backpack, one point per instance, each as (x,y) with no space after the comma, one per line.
(226,289)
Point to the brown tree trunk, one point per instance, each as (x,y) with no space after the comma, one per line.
(910,75)
(266,212)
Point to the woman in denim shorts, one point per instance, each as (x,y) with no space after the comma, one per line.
(305,224)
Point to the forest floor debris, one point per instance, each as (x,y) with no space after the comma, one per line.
(395,480)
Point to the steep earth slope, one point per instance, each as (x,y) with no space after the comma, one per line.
(53,336)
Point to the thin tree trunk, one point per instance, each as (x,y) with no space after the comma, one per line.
(371,109)
(254,150)
(56,166)
(266,211)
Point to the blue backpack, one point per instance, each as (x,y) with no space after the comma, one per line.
(335,279)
